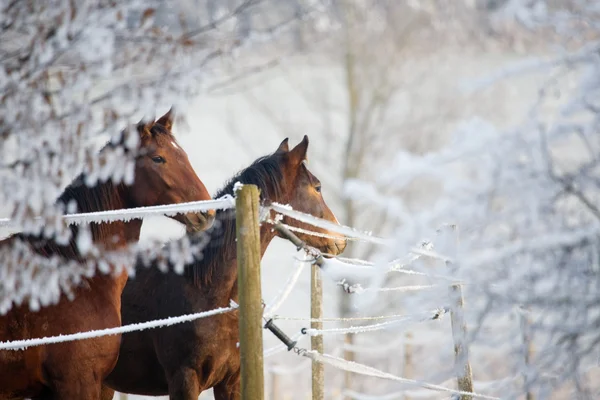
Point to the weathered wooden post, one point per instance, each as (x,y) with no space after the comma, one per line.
(408,361)
(316,342)
(449,247)
(525,326)
(248,260)
(316,312)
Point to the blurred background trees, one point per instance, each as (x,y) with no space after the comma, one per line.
(482,113)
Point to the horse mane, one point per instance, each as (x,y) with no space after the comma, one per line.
(267,175)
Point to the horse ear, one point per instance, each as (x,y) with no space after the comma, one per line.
(143,129)
(298,154)
(283,147)
(167,120)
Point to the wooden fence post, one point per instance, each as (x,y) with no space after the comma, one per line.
(316,342)
(525,326)
(248,260)
(449,248)
(407,371)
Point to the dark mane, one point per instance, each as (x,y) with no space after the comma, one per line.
(265,173)
(102,196)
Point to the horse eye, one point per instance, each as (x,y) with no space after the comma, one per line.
(318,188)
(158,159)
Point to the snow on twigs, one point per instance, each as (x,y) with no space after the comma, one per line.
(76,75)
(29,277)
(22,344)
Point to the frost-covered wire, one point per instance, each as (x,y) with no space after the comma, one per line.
(223,203)
(426,394)
(330,226)
(403,322)
(413,288)
(320,234)
(22,344)
(340,319)
(362,369)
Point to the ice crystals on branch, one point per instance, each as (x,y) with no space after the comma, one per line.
(71,71)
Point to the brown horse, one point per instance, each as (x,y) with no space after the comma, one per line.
(75,370)
(184,360)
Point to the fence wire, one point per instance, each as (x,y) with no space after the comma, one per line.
(362,369)
(25,343)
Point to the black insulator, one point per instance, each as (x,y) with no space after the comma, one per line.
(280,334)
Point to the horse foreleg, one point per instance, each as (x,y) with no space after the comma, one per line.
(107,393)
(89,390)
(229,389)
(184,385)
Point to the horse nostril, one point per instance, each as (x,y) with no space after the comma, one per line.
(340,245)
(209,216)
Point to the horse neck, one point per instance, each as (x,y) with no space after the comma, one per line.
(217,272)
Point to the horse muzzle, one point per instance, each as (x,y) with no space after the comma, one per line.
(337,246)
(197,222)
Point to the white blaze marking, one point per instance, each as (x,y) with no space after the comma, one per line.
(175,145)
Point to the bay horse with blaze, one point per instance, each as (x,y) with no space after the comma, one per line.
(186,359)
(75,370)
